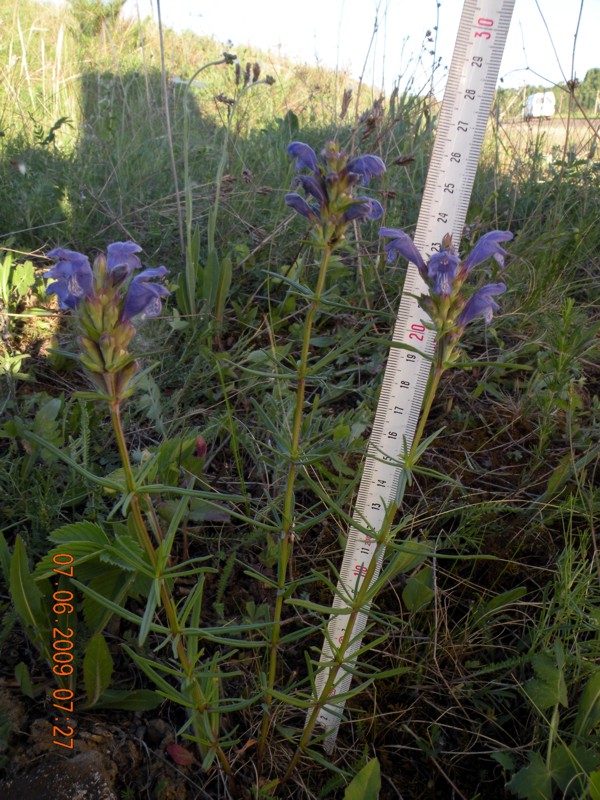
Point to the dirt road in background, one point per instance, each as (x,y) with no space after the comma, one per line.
(550,135)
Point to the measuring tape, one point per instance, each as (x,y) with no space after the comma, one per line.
(461,127)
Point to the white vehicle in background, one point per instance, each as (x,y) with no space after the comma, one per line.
(540,104)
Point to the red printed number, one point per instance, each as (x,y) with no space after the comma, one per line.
(419,334)
(484,22)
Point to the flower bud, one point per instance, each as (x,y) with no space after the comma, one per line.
(107,346)
(124,377)
(99,270)
(91,355)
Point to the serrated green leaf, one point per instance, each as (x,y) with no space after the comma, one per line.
(45,424)
(548,688)
(127,554)
(367,784)
(418,592)
(569,764)
(97,668)
(23,278)
(81,540)
(533,782)
(79,533)
(505,760)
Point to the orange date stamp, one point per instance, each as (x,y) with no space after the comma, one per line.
(62,657)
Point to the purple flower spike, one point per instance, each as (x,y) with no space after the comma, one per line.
(481,304)
(367,167)
(144,298)
(73,275)
(487,246)
(401,244)
(364,208)
(442,270)
(305,156)
(299,204)
(122,254)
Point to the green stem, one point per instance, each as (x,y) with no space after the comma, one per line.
(286,535)
(202,706)
(552,734)
(341,655)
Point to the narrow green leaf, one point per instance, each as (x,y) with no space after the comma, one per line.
(26,596)
(136,700)
(298,287)
(23,678)
(97,668)
(153,599)
(225,275)
(164,686)
(60,454)
(211,279)
(594,785)
(588,712)
(505,598)
(4,558)
(128,555)
(111,583)
(367,784)
(118,609)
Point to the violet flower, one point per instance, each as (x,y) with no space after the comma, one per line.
(442,270)
(299,204)
(121,260)
(74,278)
(305,156)
(367,167)
(364,208)
(330,183)
(445,275)
(144,298)
(402,244)
(481,304)
(487,246)
(107,297)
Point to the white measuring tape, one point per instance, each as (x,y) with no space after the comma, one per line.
(461,127)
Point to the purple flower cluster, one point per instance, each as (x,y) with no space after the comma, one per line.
(74,279)
(445,274)
(329,188)
(108,297)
